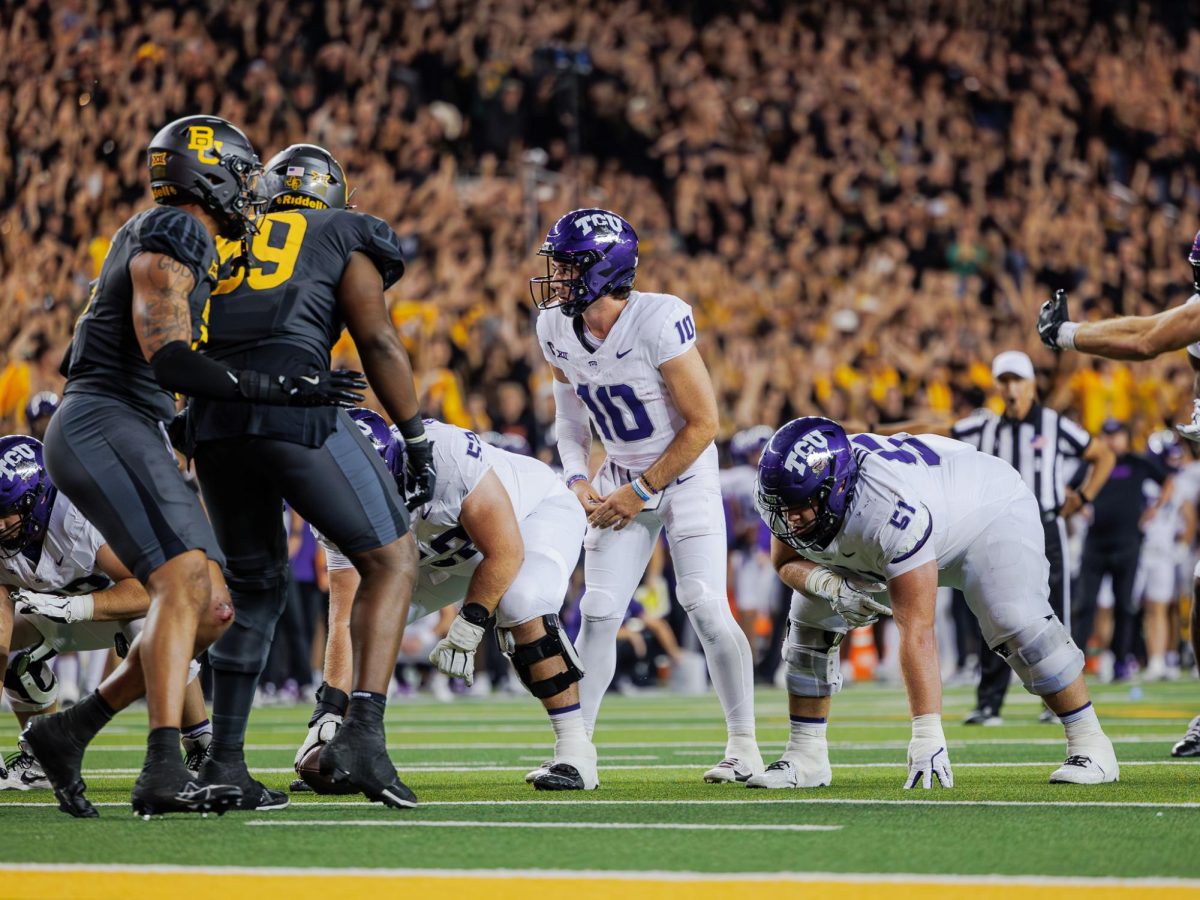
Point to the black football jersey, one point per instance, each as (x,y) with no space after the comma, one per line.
(277,312)
(105,357)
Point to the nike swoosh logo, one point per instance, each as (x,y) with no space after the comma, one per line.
(311,379)
(848,555)
(626,353)
(682,480)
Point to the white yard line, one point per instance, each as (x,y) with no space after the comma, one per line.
(615,826)
(757,800)
(441,767)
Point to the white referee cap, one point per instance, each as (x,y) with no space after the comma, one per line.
(1012,362)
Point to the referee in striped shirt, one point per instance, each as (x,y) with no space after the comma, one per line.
(1033,440)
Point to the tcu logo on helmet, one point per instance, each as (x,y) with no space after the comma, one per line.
(598,222)
(812,452)
(15,459)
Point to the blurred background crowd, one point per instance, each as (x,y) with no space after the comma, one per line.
(863,201)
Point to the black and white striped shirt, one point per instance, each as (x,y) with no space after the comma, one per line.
(1035,446)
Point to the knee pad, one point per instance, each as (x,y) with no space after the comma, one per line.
(599,605)
(1043,656)
(553,643)
(29,682)
(814,667)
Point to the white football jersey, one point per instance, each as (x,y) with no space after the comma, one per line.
(919,498)
(1166,527)
(67,564)
(461,459)
(618,379)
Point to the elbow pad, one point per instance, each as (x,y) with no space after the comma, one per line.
(572,430)
(179,368)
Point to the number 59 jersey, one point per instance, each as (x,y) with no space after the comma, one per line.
(922,498)
(619,380)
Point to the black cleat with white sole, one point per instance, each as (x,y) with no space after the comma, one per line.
(255,795)
(1189,747)
(61,758)
(357,755)
(559,777)
(161,790)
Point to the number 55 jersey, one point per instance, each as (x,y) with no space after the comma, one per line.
(548,515)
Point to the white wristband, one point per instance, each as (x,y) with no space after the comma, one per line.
(87,607)
(821,582)
(1066,335)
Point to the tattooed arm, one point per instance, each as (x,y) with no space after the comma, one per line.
(161,286)
(163,323)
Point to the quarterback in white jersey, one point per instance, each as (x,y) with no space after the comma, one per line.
(868,525)
(501,535)
(627,361)
(62,589)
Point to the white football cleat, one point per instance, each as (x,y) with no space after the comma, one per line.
(1093,765)
(734,769)
(793,772)
(24,774)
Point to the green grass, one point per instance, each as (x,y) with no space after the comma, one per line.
(466,762)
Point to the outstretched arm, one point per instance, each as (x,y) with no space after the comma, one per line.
(1128,337)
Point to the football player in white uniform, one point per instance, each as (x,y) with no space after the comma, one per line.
(501,536)
(61,589)
(865,526)
(755,586)
(628,361)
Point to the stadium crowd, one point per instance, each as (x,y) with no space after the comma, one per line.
(863,202)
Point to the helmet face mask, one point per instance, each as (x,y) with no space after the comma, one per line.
(25,492)
(209,162)
(598,249)
(809,466)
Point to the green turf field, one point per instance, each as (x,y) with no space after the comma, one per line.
(653,813)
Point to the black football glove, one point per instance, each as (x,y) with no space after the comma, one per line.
(420,477)
(1051,318)
(340,387)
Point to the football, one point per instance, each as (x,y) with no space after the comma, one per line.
(310,773)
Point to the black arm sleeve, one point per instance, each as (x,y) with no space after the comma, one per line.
(181,369)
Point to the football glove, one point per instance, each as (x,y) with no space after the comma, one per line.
(849,597)
(1191,431)
(1050,320)
(341,387)
(320,732)
(420,477)
(63,610)
(455,653)
(927,754)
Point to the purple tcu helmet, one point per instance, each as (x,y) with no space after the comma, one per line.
(372,425)
(603,247)
(808,463)
(25,491)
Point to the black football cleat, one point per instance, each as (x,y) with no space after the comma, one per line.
(357,755)
(256,796)
(1189,747)
(61,758)
(166,789)
(559,777)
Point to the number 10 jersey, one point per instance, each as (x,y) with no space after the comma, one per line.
(619,381)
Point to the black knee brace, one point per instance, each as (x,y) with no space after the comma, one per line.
(553,643)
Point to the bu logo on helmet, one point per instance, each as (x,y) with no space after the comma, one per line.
(17,458)
(200,139)
(599,222)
